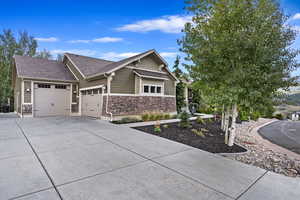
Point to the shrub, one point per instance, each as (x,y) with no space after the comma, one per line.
(145,117)
(167,116)
(184,120)
(255,115)
(174,116)
(160,116)
(279,116)
(200,120)
(198,132)
(152,117)
(127,120)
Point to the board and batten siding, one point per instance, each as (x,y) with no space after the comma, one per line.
(27,92)
(170,88)
(148,62)
(123,82)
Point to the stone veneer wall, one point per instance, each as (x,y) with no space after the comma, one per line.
(27,109)
(135,105)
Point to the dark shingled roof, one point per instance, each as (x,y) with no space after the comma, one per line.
(40,68)
(152,74)
(88,66)
(93,66)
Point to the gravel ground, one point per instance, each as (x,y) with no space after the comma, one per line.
(264,154)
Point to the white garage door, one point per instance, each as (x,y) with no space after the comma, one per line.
(91,103)
(51,100)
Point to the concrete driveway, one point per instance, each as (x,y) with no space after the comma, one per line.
(81,159)
(283,133)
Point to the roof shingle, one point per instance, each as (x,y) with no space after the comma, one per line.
(40,68)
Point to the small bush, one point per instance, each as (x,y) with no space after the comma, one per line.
(198,132)
(152,117)
(174,116)
(184,120)
(255,115)
(127,120)
(279,116)
(200,120)
(145,117)
(167,116)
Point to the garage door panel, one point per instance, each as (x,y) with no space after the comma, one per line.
(91,105)
(51,101)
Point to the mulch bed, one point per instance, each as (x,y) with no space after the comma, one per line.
(213,141)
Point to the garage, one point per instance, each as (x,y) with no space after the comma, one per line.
(51,99)
(91,102)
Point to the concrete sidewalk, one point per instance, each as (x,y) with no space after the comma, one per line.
(75,159)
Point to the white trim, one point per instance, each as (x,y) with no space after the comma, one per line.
(49,80)
(90,88)
(151,77)
(153,94)
(144,69)
(72,72)
(22,95)
(71,99)
(137,95)
(66,55)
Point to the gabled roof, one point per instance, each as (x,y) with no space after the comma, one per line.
(39,68)
(88,66)
(94,67)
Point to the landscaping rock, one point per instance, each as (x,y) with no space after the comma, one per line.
(262,155)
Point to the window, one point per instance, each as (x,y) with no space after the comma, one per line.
(60,87)
(83,92)
(89,92)
(146,88)
(158,89)
(44,86)
(153,89)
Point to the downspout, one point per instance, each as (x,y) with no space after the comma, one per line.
(109,79)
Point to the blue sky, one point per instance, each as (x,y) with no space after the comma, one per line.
(107,29)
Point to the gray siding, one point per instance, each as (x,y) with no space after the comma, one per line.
(123,82)
(148,63)
(170,88)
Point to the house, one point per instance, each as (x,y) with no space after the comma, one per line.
(86,86)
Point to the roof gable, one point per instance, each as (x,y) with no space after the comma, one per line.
(39,68)
(87,66)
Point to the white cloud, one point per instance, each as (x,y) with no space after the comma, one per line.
(296,16)
(98,40)
(50,39)
(117,56)
(84,52)
(166,24)
(296,28)
(168,54)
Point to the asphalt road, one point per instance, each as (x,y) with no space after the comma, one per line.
(283,133)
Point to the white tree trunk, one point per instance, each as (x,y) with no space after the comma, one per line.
(226,124)
(223,118)
(233,125)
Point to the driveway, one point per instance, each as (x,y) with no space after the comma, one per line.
(283,133)
(81,159)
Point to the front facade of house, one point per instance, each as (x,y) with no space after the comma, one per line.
(93,87)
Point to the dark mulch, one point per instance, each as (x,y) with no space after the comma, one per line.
(212,142)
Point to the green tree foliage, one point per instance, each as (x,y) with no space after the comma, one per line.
(180,87)
(44,54)
(239,50)
(24,44)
